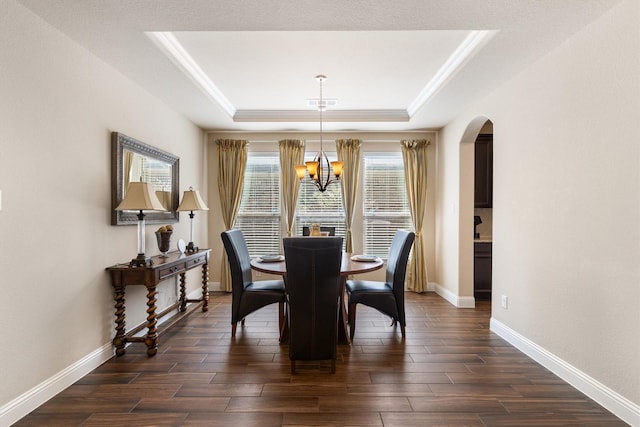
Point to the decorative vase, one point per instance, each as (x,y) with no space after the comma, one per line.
(164,241)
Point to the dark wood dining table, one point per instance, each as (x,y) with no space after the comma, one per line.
(348,267)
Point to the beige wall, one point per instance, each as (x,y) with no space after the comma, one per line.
(58,106)
(566,207)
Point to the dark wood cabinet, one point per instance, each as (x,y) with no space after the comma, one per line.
(482,270)
(484,171)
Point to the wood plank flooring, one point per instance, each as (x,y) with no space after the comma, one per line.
(450,371)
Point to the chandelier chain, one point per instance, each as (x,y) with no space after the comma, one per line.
(320,169)
(321,78)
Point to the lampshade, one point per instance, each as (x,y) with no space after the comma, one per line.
(191,201)
(140,197)
(312,167)
(300,171)
(337,168)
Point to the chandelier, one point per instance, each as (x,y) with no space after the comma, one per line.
(319,169)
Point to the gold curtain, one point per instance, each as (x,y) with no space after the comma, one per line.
(349,153)
(127,157)
(232,162)
(291,154)
(414,155)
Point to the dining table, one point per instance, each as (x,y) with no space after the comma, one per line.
(351,264)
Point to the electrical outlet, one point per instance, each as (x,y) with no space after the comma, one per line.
(505,302)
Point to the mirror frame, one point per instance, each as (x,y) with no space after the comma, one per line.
(121,142)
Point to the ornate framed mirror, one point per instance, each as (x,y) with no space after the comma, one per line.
(132,160)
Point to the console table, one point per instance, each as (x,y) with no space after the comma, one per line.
(161,268)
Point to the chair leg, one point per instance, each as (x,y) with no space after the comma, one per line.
(233,329)
(333,366)
(242,323)
(293,367)
(282,319)
(352,320)
(402,329)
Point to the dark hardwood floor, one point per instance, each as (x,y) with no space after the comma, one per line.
(450,371)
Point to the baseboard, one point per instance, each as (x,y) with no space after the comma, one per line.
(455,300)
(620,406)
(27,402)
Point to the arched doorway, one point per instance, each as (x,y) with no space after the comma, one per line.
(468,222)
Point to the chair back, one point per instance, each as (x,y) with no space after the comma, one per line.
(313,286)
(331,230)
(237,251)
(397,263)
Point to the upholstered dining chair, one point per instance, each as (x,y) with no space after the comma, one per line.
(388,296)
(331,230)
(313,286)
(248,296)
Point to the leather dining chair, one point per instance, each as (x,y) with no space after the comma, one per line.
(248,296)
(388,296)
(313,286)
(331,230)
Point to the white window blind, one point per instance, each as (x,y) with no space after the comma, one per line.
(156,172)
(259,213)
(324,208)
(385,204)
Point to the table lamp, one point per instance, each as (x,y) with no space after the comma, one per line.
(140,197)
(191,201)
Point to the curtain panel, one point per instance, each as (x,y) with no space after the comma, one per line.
(349,153)
(291,154)
(232,162)
(414,155)
(127,164)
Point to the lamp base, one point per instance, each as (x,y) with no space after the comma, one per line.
(191,248)
(141,261)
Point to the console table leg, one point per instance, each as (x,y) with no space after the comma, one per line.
(151,339)
(183,293)
(119,339)
(205,287)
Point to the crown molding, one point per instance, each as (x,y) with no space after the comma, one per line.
(469,47)
(327,116)
(463,53)
(172,48)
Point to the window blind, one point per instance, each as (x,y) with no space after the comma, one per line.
(385,204)
(259,212)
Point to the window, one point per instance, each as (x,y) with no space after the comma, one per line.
(324,208)
(385,204)
(259,213)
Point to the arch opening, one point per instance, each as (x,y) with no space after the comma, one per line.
(476,179)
